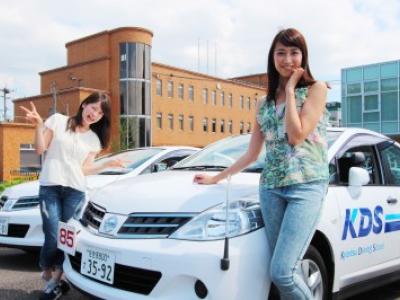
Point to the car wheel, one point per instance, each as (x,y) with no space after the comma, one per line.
(315,273)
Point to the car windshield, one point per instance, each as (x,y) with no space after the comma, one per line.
(221,155)
(224,153)
(132,159)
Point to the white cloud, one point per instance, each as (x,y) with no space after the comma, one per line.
(340,33)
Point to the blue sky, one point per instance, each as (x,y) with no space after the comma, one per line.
(340,33)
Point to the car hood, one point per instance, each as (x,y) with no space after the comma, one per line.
(171,191)
(31,188)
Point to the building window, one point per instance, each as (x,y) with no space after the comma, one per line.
(241,102)
(230,100)
(371,86)
(241,128)
(390,84)
(170,88)
(214,125)
(255,103)
(191,92)
(205,96)
(180,91)
(171,121)
(248,127)
(248,103)
(222,126)
(230,127)
(159,87)
(353,88)
(371,103)
(205,124)
(354,109)
(159,120)
(222,98)
(191,123)
(29,160)
(180,119)
(214,97)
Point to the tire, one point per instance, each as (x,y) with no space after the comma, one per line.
(312,267)
(314,270)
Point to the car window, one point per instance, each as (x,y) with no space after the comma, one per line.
(390,156)
(348,159)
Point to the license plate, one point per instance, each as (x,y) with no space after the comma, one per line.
(98,264)
(3,226)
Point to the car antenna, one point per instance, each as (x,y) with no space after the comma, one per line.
(225,260)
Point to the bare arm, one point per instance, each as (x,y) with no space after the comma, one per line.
(43,135)
(89,168)
(300,125)
(254,149)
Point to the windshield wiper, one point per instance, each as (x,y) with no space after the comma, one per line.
(201,167)
(254,170)
(115,172)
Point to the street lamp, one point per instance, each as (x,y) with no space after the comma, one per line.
(5,92)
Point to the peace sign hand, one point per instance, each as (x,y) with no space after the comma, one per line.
(32,115)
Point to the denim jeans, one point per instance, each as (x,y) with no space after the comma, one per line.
(291,214)
(57,203)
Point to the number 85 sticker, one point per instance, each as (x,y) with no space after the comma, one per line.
(66,238)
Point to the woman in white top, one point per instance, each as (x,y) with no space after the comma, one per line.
(72,144)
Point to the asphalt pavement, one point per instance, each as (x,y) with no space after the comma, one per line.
(20,280)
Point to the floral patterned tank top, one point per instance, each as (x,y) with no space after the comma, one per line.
(286,164)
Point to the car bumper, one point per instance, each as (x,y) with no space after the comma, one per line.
(181,264)
(25,228)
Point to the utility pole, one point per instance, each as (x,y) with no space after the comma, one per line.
(5,92)
(53,90)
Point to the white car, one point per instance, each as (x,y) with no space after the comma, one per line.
(160,236)
(20,220)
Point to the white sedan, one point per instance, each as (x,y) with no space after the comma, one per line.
(20,220)
(160,236)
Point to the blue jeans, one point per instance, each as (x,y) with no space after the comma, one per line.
(291,214)
(57,203)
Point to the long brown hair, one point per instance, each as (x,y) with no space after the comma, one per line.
(290,38)
(101,127)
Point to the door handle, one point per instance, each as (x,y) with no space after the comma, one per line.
(391,200)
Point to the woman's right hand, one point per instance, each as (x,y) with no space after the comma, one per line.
(33,116)
(204,179)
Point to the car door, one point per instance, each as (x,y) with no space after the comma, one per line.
(390,157)
(362,243)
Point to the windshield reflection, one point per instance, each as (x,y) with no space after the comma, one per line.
(224,153)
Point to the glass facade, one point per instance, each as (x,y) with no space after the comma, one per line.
(370,97)
(135,95)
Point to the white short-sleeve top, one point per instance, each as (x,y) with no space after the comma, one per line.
(66,153)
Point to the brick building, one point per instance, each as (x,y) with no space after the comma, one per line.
(152,103)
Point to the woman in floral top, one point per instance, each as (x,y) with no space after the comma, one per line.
(291,122)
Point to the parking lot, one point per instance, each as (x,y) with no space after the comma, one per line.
(19,279)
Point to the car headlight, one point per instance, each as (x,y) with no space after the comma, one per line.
(111,223)
(243,217)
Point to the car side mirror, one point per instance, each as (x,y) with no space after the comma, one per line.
(158,167)
(358,177)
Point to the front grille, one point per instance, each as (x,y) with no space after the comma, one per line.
(17,230)
(26,202)
(150,225)
(93,215)
(126,278)
(3,200)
